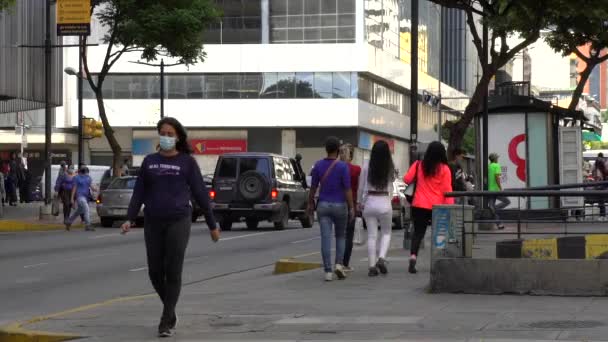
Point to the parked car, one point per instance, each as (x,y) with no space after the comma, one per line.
(401,207)
(196,210)
(259,187)
(113,202)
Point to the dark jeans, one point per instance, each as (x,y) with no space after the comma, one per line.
(504,202)
(66,200)
(350,236)
(422,219)
(166,243)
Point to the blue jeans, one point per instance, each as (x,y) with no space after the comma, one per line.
(82,209)
(336,215)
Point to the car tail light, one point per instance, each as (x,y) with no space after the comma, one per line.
(98,201)
(395,200)
(274,194)
(212,194)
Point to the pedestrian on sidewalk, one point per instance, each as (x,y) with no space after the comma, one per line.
(376,188)
(347,152)
(433,179)
(80,199)
(495,184)
(600,174)
(458,175)
(335,205)
(2,188)
(166,180)
(64,191)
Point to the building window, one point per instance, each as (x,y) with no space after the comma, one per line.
(312,21)
(271,85)
(241,23)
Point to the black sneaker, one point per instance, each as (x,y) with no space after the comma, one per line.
(412,268)
(373,272)
(381,266)
(173,322)
(164,329)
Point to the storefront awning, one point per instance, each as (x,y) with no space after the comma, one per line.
(591,136)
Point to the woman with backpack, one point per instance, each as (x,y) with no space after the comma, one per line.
(432,178)
(376,187)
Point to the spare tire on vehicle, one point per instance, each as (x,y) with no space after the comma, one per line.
(253,186)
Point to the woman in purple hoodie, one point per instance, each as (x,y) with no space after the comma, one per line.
(166,180)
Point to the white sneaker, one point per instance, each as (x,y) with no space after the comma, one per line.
(329,276)
(340,272)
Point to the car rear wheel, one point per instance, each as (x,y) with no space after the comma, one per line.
(225,223)
(306,221)
(252,223)
(107,223)
(283,221)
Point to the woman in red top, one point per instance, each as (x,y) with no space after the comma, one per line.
(347,152)
(433,179)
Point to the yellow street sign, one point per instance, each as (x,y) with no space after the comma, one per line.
(73,17)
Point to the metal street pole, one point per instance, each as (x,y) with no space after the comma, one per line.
(485,116)
(414,83)
(441,59)
(47,99)
(162,88)
(80,91)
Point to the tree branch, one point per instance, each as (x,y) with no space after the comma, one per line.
(581,55)
(85,63)
(506,57)
(105,67)
(458,5)
(476,38)
(493,52)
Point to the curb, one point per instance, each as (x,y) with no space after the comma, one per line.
(25,226)
(570,247)
(16,333)
(291,265)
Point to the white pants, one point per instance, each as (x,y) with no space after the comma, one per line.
(378,211)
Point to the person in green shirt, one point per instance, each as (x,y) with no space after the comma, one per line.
(494,184)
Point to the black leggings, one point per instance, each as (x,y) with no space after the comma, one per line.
(350,235)
(422,219)
(66,199)
(166,243)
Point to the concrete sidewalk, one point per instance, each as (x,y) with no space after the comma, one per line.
(26,217)
(257,305)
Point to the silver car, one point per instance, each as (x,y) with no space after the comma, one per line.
(113,202)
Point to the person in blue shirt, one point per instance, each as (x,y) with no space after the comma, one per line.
(81,192)
(335,206)
(164,184)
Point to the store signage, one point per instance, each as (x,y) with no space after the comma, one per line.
(217,147)
(73,17)
(367,141)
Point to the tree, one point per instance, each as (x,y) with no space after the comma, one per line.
(4,4)
(504,18)
(576,27)
(170,28)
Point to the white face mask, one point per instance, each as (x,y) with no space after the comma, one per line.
(167,143)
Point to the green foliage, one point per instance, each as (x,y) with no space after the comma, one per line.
(605,116)
(598,145)
(5,4)
(172,28)
(576,23)
(468,141)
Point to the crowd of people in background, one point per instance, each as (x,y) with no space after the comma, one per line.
(15,179)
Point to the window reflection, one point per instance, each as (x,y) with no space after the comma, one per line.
(341,85)
(323,85)
(286,85)
(304,85)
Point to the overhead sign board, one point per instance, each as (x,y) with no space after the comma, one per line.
(73,17)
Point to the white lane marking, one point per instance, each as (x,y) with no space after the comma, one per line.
(36,265)
(352,320)
(89,257)
(245,236)
(104,236)
(138,269)
(306,240)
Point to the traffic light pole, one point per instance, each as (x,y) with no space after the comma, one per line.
(80,110)
(414,84)
(48,118)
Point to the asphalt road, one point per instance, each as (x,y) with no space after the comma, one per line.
(48,272)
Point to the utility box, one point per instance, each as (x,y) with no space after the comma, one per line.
(449,221)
